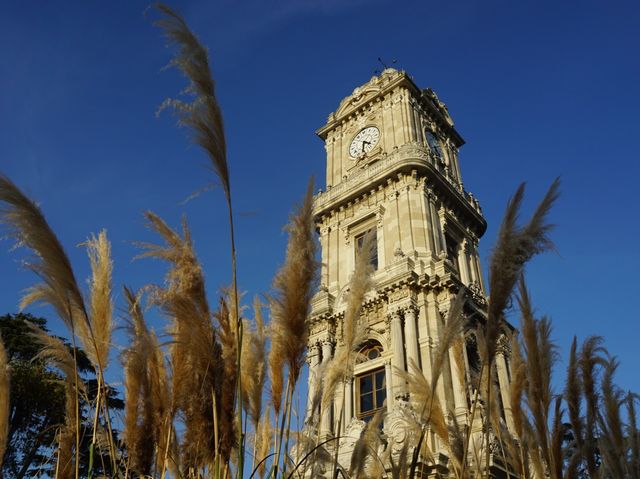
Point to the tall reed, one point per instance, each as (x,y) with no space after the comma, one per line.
(290,303)
(184,414)
(59,289)
(53,350)
(196,357)
(203,117)
(148,398)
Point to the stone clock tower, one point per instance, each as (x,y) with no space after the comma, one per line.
(393,174)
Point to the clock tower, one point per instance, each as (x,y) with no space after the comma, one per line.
(393,174)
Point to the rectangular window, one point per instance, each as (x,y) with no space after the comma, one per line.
(372,391)
(370,235)
(452,252)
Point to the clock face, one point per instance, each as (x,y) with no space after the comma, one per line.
(364,142)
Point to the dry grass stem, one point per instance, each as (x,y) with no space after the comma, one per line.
(97,339)
(5,379)
(253,364)
(196,355)
(293,287)
(365,450)
(202,115)
(54,351)
(227,318)
(263,442)
(28,226)
(147,405)
(515,246)
(354,333)
(425,402)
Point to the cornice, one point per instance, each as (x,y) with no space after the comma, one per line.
(407,158)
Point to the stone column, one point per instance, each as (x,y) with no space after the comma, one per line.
(476,261)
(313,360)
(463,261)
(411,338)
(426,214)
(459,396)
(472,267)
(388,382)
(434,219)
(503,381)
(348,405)
(438,229)
(324,248)
(397,348)
(327,414)
(380,238)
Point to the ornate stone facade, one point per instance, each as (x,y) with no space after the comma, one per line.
(403,184)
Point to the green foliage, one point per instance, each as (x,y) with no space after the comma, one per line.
(37,404)
(37,400)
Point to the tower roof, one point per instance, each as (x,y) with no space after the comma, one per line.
(379,86)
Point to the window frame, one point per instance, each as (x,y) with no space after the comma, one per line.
(372,373)
(358,241)
(369,367)
(436,146)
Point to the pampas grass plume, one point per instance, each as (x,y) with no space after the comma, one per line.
(293,287)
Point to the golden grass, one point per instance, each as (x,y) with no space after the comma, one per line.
(54,351)
(27,225)
(147,394)
(253,365)
(182,421)
(184,401)
(354,330)
(290,300)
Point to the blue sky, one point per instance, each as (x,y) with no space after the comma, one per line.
(537,89)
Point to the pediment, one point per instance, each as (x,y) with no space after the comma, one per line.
(366,92)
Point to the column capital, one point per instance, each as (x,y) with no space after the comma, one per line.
(393,314)
(504,346)
(411,309)
(327,340)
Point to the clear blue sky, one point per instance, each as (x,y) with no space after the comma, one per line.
(537,89)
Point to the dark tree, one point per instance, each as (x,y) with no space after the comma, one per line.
(37,402)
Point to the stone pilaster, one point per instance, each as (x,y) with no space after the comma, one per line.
(463,262)
(459,396)
(313,360)
(411,337)
(348,406)
(397,348)
(326,414)
(388,373)
(504,382)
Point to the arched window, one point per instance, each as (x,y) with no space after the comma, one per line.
(434,144)
(371,385)
(371,350)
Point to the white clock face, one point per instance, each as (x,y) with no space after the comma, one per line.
(364,142)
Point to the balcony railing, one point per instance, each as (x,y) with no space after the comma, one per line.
(377,170)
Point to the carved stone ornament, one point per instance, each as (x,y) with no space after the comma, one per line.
(380,216)
(398,295)
(400,425)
